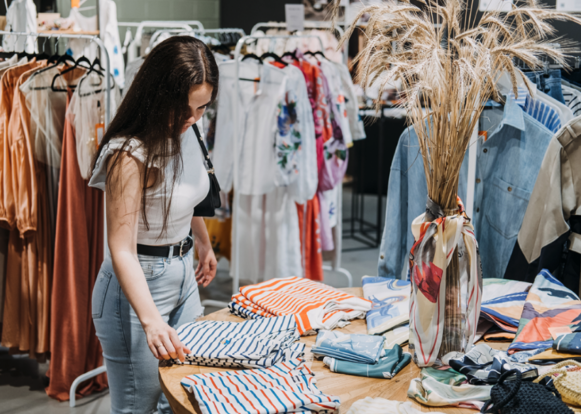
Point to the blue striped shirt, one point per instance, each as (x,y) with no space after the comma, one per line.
(545,114)
(255,343)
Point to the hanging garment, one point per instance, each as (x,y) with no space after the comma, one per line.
(351,104)
(82,47)
(358,348)
(484,365)
(130,72)
(75,348)
(315,305)
(20,17)
(269,117)
(287,387)
(506,169)
(548,83)
(26,314)
(259,343)
(391,362)
(310,236)
(390,298)
(547,225)
(109,33)
(549,305)
(87,110)
(572,99)
(382,406)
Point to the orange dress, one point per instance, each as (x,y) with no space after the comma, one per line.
(79,246)
(311,250)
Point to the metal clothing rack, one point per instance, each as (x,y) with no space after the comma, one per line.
(336,263)
(186,25)
(105,57)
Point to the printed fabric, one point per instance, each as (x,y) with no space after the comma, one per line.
(568,343)
(429,391)
(389,364)
(309,215)
(503,301)
(549,305)
(314,305)
(484,365)
(445,376)
(370,405)
(430,256)
(358,348)
(258,343)
(390,298)
(288,387)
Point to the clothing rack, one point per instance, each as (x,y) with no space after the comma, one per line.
(186,25)
(336,263)
(105,56)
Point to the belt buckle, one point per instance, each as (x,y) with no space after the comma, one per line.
(182,247)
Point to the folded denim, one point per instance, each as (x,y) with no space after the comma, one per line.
(358,348)
(389,364)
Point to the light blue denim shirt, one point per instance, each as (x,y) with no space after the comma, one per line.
(507,167)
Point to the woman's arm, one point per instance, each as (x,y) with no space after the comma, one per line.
(123,203)
(206,270)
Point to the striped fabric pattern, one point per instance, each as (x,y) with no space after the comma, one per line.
(542,112)
(314,305)
(287,387)
(573,101)
(256,343)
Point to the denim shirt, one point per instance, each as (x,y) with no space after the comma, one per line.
(506,170)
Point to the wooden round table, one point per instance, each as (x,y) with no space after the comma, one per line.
(348,388)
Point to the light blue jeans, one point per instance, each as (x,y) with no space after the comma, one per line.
(131,367)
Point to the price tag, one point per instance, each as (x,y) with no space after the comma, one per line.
(495,5)
(569,5)
(295,17)
(99,132)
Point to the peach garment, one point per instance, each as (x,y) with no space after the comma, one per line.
(311,239)
(79,247)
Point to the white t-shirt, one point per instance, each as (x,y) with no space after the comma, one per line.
(191,187)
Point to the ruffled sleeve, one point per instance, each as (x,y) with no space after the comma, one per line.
(99,176)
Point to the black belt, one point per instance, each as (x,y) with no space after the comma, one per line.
(163,251)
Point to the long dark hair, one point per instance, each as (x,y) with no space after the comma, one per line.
(156,107)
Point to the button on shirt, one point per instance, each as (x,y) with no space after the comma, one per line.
(511,157)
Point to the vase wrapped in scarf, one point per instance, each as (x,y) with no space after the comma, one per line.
(446,284)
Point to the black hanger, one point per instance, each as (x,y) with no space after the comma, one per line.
(292,54)
(77,64)
(251,56)
(317,53)
(276,57)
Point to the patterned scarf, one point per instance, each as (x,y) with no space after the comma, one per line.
(430,256)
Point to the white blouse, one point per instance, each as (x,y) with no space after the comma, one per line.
(191,187)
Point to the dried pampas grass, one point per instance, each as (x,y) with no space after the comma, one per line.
(453,69)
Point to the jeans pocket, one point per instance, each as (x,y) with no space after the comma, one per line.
(152,266)
(99,294)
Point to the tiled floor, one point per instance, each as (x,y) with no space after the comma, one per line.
(22,380)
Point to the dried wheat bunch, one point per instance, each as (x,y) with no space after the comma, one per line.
(453,69)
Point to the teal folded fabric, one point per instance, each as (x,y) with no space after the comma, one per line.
(359,348)
(445,376)
(570,343)
(389,364)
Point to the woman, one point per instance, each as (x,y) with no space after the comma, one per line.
(150,165)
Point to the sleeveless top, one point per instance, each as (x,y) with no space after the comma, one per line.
(190,188)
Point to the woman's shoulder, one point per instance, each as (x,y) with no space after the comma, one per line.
(130,145)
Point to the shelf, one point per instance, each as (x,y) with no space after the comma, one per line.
(59,32)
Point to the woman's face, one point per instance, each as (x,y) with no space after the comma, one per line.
(200,97)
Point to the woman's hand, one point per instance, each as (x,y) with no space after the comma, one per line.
(164,342)
(206,270)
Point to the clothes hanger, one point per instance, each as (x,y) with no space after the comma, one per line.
(276,58)
(77,64)
(251,56)
(292,54)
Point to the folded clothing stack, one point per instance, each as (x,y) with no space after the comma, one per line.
(314,305)
(248,344)
(391,361)
(287,387)
(362,349)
